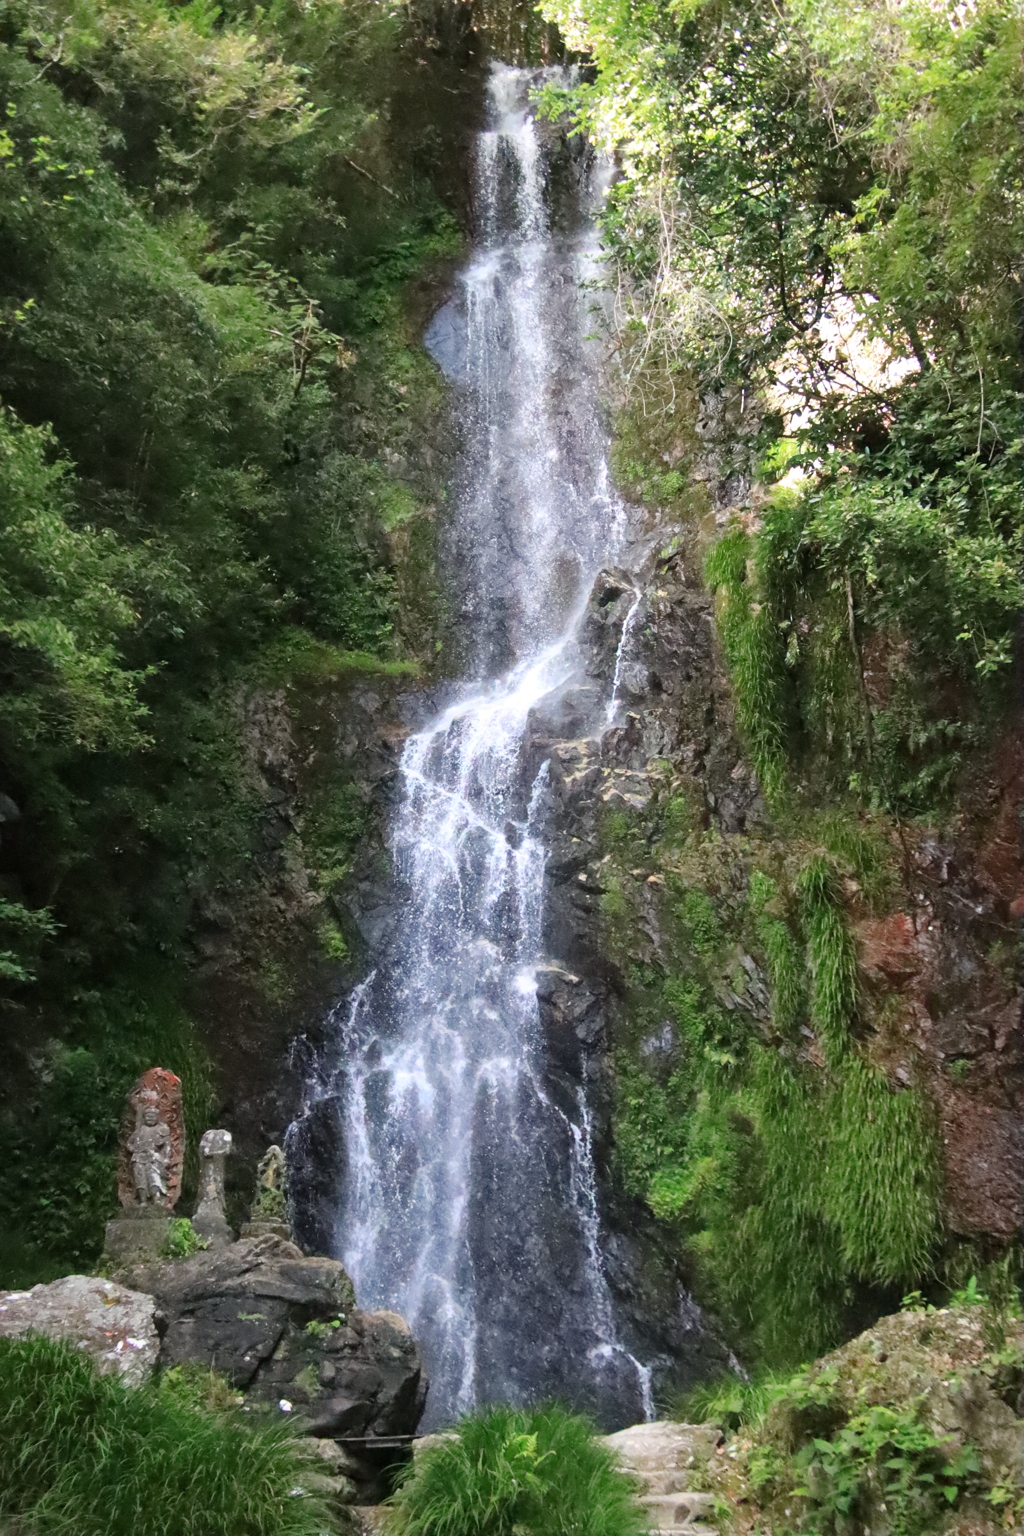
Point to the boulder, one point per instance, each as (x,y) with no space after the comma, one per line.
(948,1385)
(284,1328)
(664,1446)
(113,1325)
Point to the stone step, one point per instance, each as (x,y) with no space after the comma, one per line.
(672,1480)
(678,1511)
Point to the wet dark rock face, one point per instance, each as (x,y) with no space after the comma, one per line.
(939,959)
(672,695)
(285,1330)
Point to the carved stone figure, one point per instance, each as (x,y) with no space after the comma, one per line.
(269,1214)
(271,1171)
(152,1145)
(150,1148)
(210,1219)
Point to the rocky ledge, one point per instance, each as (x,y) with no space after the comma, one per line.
(285,1330)
(113,1325)
(914,1428)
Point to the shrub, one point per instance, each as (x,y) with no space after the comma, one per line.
(183,1240)
(82,1455)
(539,1472)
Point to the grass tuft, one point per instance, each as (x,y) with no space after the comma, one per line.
(82,1455)
(734,1402)
(517,1472)
(754,650)
(785,962)
(832,958)
(883,1182)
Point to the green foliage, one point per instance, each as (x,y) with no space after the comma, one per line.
(882,1189)
(753,647)
(862,847)
(269,1204)
(81,1455)
(198,1387)
(209,220)
(183,1240)
(831,956)
(824,203)
(318,1329)
(734,1402)
(698,913)
(917,1472)
(782,954)
(60,1138)
(540,1472)
(796,1184)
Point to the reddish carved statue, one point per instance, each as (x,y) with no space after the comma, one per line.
(152,1149)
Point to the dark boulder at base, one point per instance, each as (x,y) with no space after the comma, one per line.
(285,1330)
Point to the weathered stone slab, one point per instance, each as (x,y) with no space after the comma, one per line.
(113,1325)
(137,1237)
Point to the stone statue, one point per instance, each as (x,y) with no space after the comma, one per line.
(151,1151)
(210,1219)
(150,1162)
(271,1172)
(269,1214)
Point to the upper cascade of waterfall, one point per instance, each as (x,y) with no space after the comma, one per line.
(536,513)
(470,1201)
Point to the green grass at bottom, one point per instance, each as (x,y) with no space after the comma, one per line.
(83,1455)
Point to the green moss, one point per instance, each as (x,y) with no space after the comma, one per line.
(613,901)
(333,942)
(299,657)
(679,820)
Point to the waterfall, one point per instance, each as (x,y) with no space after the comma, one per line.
(470,1201)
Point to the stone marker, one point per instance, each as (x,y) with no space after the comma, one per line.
(149,1169)
(210,1219)
(269,1214)
(113,1325)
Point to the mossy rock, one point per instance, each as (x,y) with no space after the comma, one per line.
(914,1428)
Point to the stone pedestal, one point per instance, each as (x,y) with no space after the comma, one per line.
(271,1228)
(137,1236)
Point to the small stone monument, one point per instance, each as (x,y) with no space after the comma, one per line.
(150,1163)
(210,1219)
(269,1213)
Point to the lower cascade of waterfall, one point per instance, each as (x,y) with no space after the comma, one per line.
(470,1202)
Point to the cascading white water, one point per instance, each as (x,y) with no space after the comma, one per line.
(470,1201)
